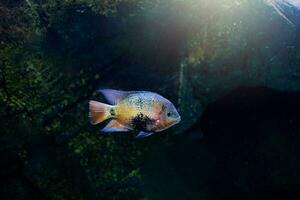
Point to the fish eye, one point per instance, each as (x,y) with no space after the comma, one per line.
(168,114)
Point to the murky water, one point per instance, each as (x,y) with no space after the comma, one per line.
(231,68)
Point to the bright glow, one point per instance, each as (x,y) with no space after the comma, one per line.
(279,5)
(294,3)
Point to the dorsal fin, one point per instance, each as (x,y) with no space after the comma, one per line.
(114,96)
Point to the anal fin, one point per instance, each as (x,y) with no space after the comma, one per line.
(115,126)
(143,134)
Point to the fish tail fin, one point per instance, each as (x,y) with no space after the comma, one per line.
(98,112)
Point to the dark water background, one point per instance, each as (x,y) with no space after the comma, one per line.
(232,68)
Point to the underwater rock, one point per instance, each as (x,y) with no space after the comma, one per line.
(249,57)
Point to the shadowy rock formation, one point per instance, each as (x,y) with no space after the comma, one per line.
(253,135)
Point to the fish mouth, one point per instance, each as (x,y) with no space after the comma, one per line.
(177,120)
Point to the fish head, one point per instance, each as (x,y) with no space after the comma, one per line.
(169,116)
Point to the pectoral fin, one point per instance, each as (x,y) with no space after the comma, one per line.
(143,134)
(115,126)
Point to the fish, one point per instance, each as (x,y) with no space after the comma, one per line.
(142,111)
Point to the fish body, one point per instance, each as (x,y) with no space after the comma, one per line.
(144,111)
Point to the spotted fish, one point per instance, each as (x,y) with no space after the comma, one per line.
(146,112)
